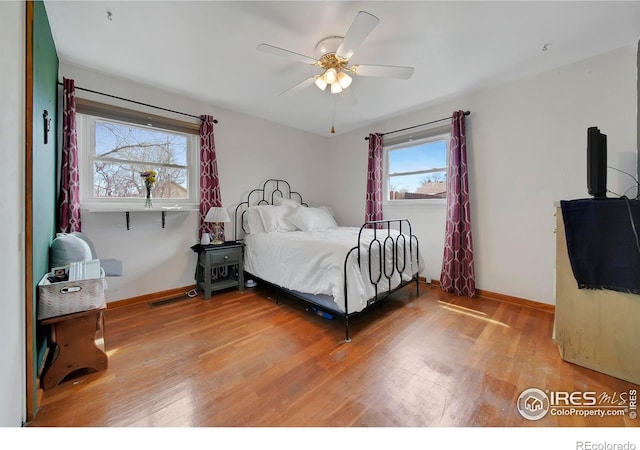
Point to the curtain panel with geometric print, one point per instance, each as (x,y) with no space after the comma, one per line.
(209,182)
(69,192)
(458,275)
(373,210)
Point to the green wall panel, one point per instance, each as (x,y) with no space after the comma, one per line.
(45,88)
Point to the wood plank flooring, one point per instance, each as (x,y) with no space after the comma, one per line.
(241,359)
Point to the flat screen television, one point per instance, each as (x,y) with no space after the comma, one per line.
(596,163)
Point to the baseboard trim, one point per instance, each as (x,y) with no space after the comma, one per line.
(154,297)
(170,294)
(481,293)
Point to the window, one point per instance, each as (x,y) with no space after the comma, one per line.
(113,153)
(416,169)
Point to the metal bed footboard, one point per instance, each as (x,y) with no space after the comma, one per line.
(382,235)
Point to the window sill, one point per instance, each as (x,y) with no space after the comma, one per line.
(138,208)
(436,202)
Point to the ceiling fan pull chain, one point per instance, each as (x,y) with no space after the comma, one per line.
(333,114)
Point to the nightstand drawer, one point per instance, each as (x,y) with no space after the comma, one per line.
(227,256)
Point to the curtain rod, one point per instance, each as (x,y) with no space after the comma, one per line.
(138,103)
(466,113)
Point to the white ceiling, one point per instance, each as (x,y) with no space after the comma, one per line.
(207,49)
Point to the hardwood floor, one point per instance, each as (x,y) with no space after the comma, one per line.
(241,359)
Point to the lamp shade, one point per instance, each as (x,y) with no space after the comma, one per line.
(344,80)
(217,214)
(330,76)
(336,88)
(322,85)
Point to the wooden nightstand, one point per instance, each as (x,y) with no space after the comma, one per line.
(212,259)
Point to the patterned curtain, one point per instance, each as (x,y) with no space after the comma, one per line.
(457,274)
(374,179)
(69,194)
(209,183)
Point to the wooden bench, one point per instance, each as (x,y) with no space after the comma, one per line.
(78,343)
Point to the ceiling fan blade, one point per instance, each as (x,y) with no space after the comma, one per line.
(362,25)
(403,73)
(300,86)
(286,53)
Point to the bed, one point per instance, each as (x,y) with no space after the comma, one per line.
(337,271)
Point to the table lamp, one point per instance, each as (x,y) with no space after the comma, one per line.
(217,215)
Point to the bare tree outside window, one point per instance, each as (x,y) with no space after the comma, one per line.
(123,151)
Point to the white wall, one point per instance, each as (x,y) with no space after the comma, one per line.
(526,149)
(249,151)
(12,140)
(526,144)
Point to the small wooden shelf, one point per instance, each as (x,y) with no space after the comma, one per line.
(220,284)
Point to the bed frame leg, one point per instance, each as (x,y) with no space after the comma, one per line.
(346,330)
(417,286)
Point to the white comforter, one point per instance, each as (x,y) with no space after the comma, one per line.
(313,262)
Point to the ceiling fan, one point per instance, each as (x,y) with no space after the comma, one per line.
(333,55)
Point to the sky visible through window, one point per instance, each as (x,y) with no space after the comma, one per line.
(421,157)
(110,136)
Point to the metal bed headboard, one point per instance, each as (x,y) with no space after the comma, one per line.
(265,195)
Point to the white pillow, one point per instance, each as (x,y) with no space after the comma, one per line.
(288,202)
(308,219)
(273,218)
(253,222)
(68,248)
(327,217)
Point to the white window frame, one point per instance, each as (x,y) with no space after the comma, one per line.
(86,127)
(410,141)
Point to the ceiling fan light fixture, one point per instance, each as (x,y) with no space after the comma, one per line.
(333,55)
(330,76)
(344,80)
(322,85)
